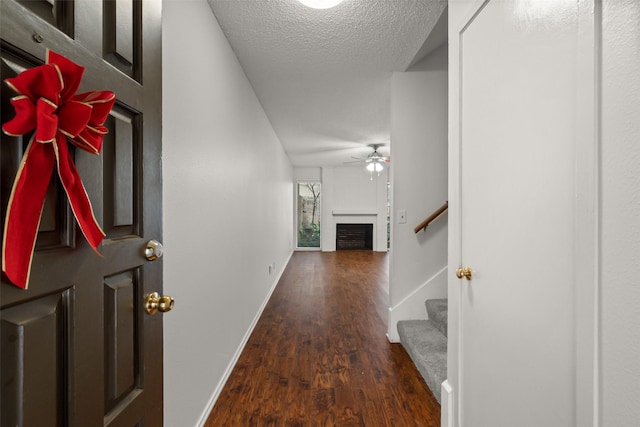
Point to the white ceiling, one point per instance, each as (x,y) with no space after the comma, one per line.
(323,76)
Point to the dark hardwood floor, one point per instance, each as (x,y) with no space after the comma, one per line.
(319,355)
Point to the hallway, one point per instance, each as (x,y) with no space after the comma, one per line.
(319,355)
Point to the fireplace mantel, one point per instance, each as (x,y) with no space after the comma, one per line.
(343,212)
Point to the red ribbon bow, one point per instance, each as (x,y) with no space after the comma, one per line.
(48,104)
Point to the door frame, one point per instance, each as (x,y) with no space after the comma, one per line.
(587,222)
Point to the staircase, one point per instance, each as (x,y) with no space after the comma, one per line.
(426,343)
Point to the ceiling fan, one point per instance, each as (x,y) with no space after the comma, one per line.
(374,160)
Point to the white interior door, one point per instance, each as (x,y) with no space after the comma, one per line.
(519,121)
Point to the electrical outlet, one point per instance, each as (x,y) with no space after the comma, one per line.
(402,216)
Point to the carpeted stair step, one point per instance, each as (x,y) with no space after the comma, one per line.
(437,311)
(427,347)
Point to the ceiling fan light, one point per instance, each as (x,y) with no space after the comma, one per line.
(371,167)
(379,167)
(320,4)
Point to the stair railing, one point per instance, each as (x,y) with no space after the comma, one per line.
(435,215)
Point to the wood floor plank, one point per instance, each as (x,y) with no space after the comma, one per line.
(319,355)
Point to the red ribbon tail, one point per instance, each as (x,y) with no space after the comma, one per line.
(24,211)
(77,194)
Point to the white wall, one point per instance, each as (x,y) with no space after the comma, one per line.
(227,208)
(348,188)
(419,187)
(620,215)
(350,196)
(307,174)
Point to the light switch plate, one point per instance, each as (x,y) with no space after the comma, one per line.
(402,216)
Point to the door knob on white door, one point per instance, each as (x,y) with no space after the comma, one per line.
(464,272)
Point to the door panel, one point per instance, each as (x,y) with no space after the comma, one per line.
(122,42)
(56,228)
(120,325)
(518,120)
(56,13)
(83,311)
(35,342)
(121,155)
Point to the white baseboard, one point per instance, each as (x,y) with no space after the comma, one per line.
(236,356)
(446,413)
(412,306)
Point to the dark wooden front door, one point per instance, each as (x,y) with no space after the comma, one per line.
(77,346)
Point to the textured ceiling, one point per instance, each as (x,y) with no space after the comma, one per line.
(324,76)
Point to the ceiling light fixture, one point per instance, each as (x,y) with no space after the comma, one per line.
(320,4)
(375,166)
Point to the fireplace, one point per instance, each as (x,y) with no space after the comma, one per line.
(354,236)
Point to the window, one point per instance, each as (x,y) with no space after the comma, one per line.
(308,215)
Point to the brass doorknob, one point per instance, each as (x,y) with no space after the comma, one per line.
(153,303)
(464,272)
